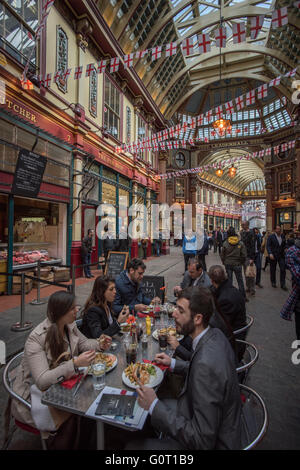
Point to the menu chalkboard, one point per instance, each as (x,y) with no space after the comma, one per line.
(152,287)
(28,174)
(116,263)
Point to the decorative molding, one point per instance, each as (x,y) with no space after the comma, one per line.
(61,57)
(93,93)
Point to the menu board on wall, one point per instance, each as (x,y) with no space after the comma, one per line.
(28,174)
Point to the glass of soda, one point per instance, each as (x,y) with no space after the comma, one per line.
(163,339)
(131,353)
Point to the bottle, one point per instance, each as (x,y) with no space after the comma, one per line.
(148,325)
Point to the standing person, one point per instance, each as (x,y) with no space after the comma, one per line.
(276,249)
(144,243)
(210,237)
(233,256)
(189,248)
(158,244)
(108,242)
(203,251)
(247,237)
(264,249)
(258,256)
(86,250)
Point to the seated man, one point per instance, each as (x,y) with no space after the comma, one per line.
(207,413)
(129,290)
(194,276)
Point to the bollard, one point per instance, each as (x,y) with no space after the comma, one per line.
(38,301)
(22,325)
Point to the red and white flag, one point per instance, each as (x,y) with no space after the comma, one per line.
(219,111)
(156,53)
(269,151)
(65,75)
(239,102)
(57,76)
(128,60)
(284,147)
(204,43)
(177,129)
(89,69)
(163,145)
(275,81)
(141,54)
(114,64)
(238,32)
(191,142)
(262,91)
(183,144)
(159,136)
(208,115)
(193,123)
(297,4)
(187,46)
(47,80)
(172,132)
(261,154)
(276,149)
(165,134)
(176,144)
(78,72)
(171,49)
(229,107)
(170,145)
(250,98)
(200,119)
(256,25)
(280,17)
(292,144)
(220,37)
(101,66)
(185,126)
(292,73)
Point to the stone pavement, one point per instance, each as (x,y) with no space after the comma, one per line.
(274,376)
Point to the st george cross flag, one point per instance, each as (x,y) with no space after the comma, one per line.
(200,120)
(220,37)
(177,129)
(219,111)
(89,69)
(262,91)
(128,60)
(250,98)
(101,66)
(279,17)
(256,25)
(114,64)
(47,80)
(292,144)
(176,144)
(229,107)
(239,102)
(159,136)
(261,154)
(163,145)
(187,46)
(65,74)
(276,150)
(208,115)
(284,147)
(141,54)
(156,53)
(185,126)
(78,72)
(193,123)
(169,145)
(292,73)
(269,151)
(172,132)
(204,43)
(171,49)
(238,33)
(275,81)
(165,134)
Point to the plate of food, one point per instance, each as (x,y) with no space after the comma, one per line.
(110,361)
(170,331)
(125,327)
(150,375)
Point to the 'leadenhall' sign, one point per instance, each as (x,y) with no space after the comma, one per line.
(28,174)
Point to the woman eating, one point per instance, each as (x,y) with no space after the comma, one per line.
(97,315)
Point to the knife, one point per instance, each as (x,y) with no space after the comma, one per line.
(80,381)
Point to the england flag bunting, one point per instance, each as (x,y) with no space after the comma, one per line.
(261,154)
(66,74)
(279,17)
(239,102)
(219,111)
(171,49)
(220,37)
(250,98)
(208,115)
(185,126)
(238,33)
(176,144)
(276,150)
(177,129)
(204,43)
(284,147)
(47,80)
(101,66)
(191,142)
(163,145)
(256,25)
(165,134)
(269,151)
(172,132)
(292,144)
(114,64)
(141,54)
(193,123)
(292,73)
(169,145)
(77,73)
(275,81)
(156,53)
(128,60)
(262,91)
(183,144)
(229,107)
(89,69)
(187,46)
(159,136)
(200,119)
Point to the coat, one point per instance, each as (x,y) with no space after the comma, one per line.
(208,409)
(233,252)
(95,323)
(86,246)
(248,239)
(274,248)
(128,293)
(204,280)
(231,303)
(35,369)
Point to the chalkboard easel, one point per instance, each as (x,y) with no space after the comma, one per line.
(116,263)
(153,286)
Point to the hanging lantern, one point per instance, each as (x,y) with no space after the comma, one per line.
(232,171)
(219,172)
(221,126)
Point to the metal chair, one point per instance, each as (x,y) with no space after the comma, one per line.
(245,328)
(248,360)
(7,382)
(254,417)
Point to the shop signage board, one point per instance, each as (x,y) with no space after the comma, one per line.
(28,174)
(116,263)
(153,286)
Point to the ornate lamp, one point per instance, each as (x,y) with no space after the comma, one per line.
(221,126)
(232,171)
(219,172)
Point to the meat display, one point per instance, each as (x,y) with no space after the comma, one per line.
(27,257)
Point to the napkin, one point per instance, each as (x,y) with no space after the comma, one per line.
(144,315)
(72,381)
(161,366)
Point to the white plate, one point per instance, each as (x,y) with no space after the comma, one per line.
(154,379)
(155,335)
(83,369)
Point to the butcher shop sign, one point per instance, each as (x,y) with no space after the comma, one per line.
(29,174)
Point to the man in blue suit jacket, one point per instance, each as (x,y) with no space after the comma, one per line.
(276,245)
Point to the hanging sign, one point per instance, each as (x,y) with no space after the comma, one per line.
(28,174)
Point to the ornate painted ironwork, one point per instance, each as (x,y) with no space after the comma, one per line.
(93,93)
(61,58)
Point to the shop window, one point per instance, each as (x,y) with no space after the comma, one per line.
(285,182)
(124,181)
(18,22)
(204,196)
(108,194)
(61,57)
(141,134)
(112,112)
(109,174)
(93,93)
(91,188)
(56,174)
(179,188)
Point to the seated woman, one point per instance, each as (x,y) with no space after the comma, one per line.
(97,315)
(52,353)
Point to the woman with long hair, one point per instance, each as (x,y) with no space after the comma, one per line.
(98,316)
(52,354)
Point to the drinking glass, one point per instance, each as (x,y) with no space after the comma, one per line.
(163,337)
(98,370)
(131,352)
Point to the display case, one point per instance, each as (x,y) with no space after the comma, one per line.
(26,255)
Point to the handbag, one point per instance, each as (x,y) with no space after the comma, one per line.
(40,413)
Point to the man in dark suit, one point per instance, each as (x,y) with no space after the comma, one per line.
(276,245)
(207,413)
(218,240)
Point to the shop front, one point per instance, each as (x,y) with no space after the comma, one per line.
(286,217)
